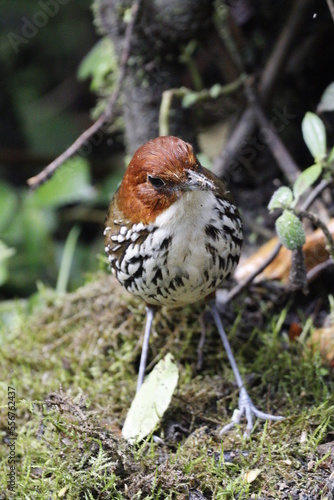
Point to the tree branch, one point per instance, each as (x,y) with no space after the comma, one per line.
(276,146)
(315,271)
(270,75)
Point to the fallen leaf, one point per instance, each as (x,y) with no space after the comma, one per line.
(303,437)
(294,331)
(322,340)
(252,475)
(151,401)
(314,249)
(62,492)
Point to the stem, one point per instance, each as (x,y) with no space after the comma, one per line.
(166,102)
(202,95)
(315,193)
(319,223)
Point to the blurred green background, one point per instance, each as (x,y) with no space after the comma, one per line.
(53,235)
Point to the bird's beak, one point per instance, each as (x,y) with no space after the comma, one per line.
(197,180)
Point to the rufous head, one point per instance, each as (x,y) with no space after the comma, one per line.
(159,173)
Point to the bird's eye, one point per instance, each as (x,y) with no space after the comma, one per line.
(155,181)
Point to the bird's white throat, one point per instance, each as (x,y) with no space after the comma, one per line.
(188,213)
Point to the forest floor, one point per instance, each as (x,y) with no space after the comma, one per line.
(72,360)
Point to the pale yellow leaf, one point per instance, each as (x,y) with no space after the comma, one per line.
(252,475)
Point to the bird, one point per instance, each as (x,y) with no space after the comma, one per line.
(173,235)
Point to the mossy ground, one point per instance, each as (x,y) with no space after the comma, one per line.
(73,362)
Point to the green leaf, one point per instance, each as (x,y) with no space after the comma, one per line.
(314,134)
(190,99)
(70,184)
(306,179)
(327,99)
(67,260)
(282,198)
(290,230)
(5,254)
(151,401)
(99,64)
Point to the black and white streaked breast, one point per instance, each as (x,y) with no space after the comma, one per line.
(183,256)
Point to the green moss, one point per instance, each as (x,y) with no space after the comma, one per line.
(73,363)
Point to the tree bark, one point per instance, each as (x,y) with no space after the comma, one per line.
(163,29)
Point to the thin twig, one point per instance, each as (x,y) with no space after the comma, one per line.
(319,223)
(198,96)
(276,146)
(240,286)
(229,153)
(315,193)
(331,7)
(315,271)
(276,61)
(50,169)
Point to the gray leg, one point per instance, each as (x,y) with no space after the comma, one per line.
(246,406)
(201,342)
(143,358)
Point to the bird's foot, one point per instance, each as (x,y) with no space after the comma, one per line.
(247,409)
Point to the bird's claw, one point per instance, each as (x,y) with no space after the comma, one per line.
(246,408)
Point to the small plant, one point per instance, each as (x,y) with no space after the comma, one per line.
(294,201)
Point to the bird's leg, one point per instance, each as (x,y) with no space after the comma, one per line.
(143,358)
(246,406)
(201,342)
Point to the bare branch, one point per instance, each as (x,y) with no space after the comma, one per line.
(276,61)
(276,146)
(315,193)
(317,270)
(240,286)
(270,75)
